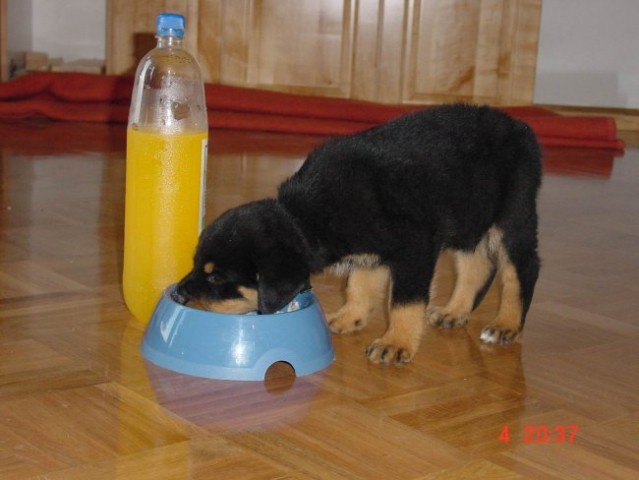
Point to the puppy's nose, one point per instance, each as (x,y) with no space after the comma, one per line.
(179,297)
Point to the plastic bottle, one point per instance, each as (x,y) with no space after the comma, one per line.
(167,146)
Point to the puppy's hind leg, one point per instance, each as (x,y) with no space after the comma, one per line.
(475,273)
(518,265)
(366,289)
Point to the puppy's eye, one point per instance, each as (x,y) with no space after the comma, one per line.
(214,277)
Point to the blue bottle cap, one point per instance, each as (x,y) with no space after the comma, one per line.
(170,24)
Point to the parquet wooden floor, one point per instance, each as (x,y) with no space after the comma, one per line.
(77,401)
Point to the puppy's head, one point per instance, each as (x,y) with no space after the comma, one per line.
(250,258)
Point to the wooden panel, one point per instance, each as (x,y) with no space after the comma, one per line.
(232,41)
(524,52)
(471,51)
(441,61)
(379,51)
(389,51)
(280,48)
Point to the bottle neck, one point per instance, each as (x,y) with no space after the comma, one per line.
(170,41)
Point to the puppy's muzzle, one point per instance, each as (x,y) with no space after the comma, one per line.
(180,297)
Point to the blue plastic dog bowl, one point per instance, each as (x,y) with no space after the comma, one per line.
(237,347)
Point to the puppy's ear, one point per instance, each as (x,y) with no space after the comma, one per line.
(282,275)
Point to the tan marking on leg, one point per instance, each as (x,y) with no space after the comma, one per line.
(473,269)
(366,290)
(349,263)
(506,327)
(496,248)
(209,267)
(437,297)
(510,308)
(401,340)
(247,303)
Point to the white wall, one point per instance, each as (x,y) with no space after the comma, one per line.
(70,29)
(19,27)
(589,53)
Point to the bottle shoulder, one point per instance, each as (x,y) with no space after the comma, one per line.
(169,61)
(168,92)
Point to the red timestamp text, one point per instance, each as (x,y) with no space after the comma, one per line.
(541,434)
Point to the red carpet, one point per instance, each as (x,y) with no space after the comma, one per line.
(103,98)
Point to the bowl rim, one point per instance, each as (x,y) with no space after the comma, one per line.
(307,294)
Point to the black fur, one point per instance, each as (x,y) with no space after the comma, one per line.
(403,191)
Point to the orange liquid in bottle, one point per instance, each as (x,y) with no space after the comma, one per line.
(164,206)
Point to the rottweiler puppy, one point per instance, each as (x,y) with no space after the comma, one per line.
(379,207)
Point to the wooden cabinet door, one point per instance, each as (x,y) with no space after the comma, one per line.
(289,45)
(390,51)
(470,50)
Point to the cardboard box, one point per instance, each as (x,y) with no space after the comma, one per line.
(36,61)
(82,66)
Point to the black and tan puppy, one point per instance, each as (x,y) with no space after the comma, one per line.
(380,206)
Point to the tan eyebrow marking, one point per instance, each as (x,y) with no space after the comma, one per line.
(208,267)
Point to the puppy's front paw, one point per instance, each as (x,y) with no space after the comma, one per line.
(439,317)
(499,336)
(382,352)
(346,320)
